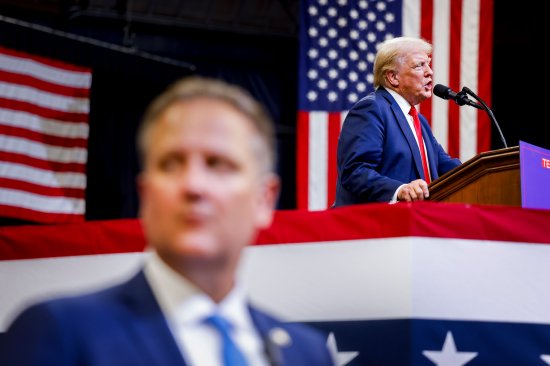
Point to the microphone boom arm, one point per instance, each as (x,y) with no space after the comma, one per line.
(462,99)
(489,112)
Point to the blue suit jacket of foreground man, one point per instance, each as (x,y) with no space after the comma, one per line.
(124,325)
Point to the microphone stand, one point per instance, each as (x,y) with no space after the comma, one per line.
(487,109)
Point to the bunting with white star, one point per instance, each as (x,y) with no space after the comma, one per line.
(450,285)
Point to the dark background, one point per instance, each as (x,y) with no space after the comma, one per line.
(137,47)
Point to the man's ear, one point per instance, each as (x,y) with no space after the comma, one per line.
(269,195)
(139,184)
(392,78)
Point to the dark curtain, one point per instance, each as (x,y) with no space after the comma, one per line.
(124,83)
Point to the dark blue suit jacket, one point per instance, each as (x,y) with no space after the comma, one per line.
(124,326)
(377,151)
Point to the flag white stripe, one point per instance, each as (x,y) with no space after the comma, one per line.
(46,178)
(318,153)
(43,98)
(411,18)
(429,278)
(47,126)
(48,204)
(343,115)
(46,277)
(440,57)
(468,133)
(370,279)
(25,66)
(42,151)
(469,76)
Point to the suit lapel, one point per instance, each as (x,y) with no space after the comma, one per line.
(277,341)
(406,130)
(149,327)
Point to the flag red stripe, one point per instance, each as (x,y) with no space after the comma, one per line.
(484,73)
(41,190)
(426,32)
(36,216)
(453,143)
(334,123)
(426,24)
(376,220)
(22,79)
(302,162)
(83,238)
(63,116)
(47,61)
(42,164)
(42,137)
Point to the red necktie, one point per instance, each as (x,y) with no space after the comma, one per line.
(418,131)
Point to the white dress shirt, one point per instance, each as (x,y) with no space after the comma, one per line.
(405,108)
(185,307)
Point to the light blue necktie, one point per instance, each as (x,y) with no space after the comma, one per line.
(231,354)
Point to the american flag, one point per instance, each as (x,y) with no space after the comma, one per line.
(338,40)
(44,107)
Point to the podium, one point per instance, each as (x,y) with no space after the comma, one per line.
(489,178)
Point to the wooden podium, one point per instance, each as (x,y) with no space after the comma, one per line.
(492,177)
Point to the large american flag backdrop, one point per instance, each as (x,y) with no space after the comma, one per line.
(44,106)
(421,283)
(338,40)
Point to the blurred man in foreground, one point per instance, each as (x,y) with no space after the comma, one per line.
(207,187)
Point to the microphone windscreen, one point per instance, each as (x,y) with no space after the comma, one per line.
(442,91)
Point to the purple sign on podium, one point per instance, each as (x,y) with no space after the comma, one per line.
(534,167)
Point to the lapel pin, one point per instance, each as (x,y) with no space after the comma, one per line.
(280,337)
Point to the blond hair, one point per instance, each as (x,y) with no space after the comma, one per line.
(391,54)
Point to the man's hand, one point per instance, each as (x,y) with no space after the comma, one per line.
(417,190)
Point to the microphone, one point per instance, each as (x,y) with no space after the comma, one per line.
(460,98)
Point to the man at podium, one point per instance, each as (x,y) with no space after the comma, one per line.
(386,150)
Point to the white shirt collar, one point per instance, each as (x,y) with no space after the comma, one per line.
(183,303)
(402,102)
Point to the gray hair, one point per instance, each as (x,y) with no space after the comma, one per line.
(201,87)
(391,53)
